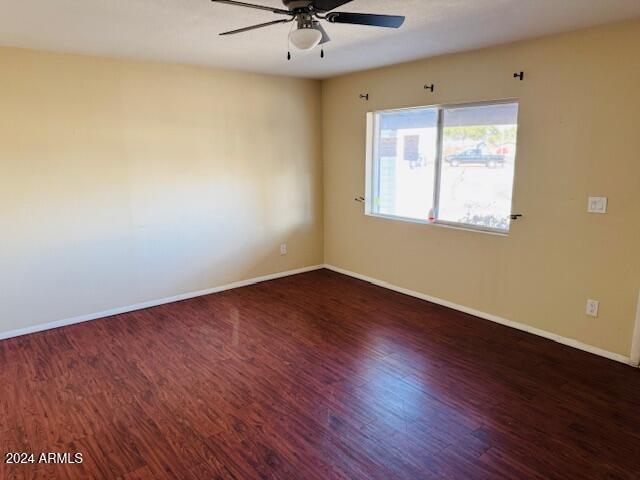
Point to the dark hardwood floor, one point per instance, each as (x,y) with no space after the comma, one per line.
(316,376)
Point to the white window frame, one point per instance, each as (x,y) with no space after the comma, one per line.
(370,171)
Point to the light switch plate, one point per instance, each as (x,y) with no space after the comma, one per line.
(597,205)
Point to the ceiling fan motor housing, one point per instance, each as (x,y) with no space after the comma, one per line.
(297,4)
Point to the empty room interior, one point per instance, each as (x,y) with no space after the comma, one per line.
(320,239)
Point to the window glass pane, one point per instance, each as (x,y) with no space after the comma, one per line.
(476,175)
(404,162)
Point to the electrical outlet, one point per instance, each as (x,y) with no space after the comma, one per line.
(592,307)
(283,249)
(597,205)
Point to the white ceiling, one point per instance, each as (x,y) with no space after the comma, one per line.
(186,31)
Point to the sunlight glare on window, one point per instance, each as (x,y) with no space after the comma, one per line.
(406,151)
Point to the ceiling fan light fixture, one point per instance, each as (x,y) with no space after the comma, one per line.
(305,38)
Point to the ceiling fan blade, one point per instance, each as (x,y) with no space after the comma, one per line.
(389,21)
(325,36)
(328,5)
(253,27)
(251,5)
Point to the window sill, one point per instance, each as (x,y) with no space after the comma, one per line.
(453,226)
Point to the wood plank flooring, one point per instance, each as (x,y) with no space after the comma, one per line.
(316,376)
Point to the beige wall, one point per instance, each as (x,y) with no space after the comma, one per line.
(123,182)
(578,136)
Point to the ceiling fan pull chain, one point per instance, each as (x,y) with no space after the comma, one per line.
(289,41)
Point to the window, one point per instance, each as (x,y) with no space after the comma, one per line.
(451,165)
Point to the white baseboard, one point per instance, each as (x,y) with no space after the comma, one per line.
(633,360)
(635,341)
(494,318)
(152,303)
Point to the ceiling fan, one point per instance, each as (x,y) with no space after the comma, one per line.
(309,32)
